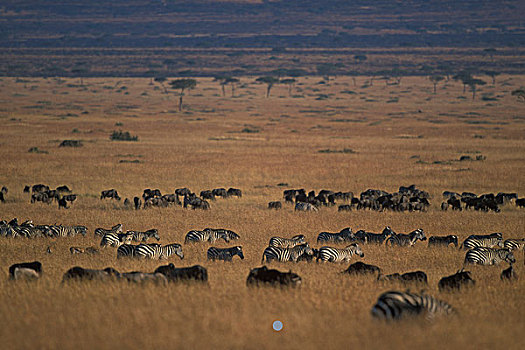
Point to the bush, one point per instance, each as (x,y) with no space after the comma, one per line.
(122,136)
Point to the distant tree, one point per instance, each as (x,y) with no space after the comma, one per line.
(519,93)
(493,75)
(464,77)
(490,51)
(279,72)
(397,75)
(161,81)
(183,84)
(80,72)
(473,83)
(233,82)
(221,79)
(269,81)
(296,72)
(445,69)
(435,79)
(151,74)
(353,74)
(326,70)
(290,82)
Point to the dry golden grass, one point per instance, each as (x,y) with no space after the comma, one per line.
(204,148)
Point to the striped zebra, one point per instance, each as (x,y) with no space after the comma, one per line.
(226,254)
(488,241)
(403,240)
(301,206)
(394,305)
(139,236)
(489,256)
(102,231)
(126,250)
(29,231)
(64,231)
(286,254)
(232,236)
(345,235)
(116,239)
(287,242)
(157,251)
(514,244)
(379,238)
(195,236)
(332,254)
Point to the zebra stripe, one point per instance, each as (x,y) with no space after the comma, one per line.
(487,242)
(394,305)
(64,231)
(345,235)
(228,233)
(489,256)
(102,231)
(157,251)
(406,240)
(226,254)
(514,244)
(195,236)
(116,239)
(332,254)
(139,236)
(286,254)
(287,242)
(301,206)
(126,250)
(379,238)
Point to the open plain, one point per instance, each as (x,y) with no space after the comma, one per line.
(338,134)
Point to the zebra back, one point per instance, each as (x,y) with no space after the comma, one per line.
(513,244)
(489,256)
(394,305)
(287,242)
(194,236)
(102,231)
(488,242)
(226,254)
(333,254)
(126,250)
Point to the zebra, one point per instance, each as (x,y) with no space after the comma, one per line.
(345,235)
(394,305)
(126,250)
(443,240)
(514,244)
(489,241)
(287,242)
(489,256)
(301,206)
(116,239)
(286,254)
(226,254)
(157,251)
(379,238)
(332,254)
(63,231)
(229,233)
(29,231)
(102,231)
(406,240)
(138,236)
(195,236)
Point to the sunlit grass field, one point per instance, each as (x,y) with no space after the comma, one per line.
(333,135)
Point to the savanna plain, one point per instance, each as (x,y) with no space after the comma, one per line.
(338,134)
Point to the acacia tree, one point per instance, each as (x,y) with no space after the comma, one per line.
(492,74)
(233,82)
(519,93)
(435,79)
(290,82)
(221,79)
(464,77)
(473,83)
(269,81)
(182,84)
(161,81)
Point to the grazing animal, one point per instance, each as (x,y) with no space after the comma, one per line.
(76,250)
(332,254)
(63,188)
(381,237)
(193,273)
(79,274)
(195,236)
(360,268)
(137,202)
(232,236)
(286,254)
(264,276)
(110,194)
(64,231)
(142,277)
(115,239)
(416,276)
(488,241)
(234,192)
(301,206)
(126,250)
(489,256)
(508,274)
(102,231)
(457,281)
(403,240)
(520,202)
(225,254)
(157,251)
(70,197)
(24,270)
(220,192)
(395,305)
(344,207)
(79,250)
(275,205)
(513,244)
(62,203)
(443,240)
(345,235)
(138,236)
(287,242)
(2,199)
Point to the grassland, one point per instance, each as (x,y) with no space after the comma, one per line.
(399,134)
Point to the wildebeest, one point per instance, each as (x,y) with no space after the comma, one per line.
(79,250)
(264,276)
(520,202)
(70,143)
(456,281)
(344,207)
(63,188)
(234,192)
(193,273)
(143,277)
(62,203)
(220,192)
(415,276)
(301,206)
(70,197)
(109,194)
(360,268)
(2,199)
(25,270)
(137,202)
(275,205)
(207,194)
(38,188)
(79,273)
(443,240)
(182,192)
(508,274)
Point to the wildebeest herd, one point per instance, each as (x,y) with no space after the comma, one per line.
(335,247)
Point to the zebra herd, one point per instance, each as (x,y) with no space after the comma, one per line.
(28,230)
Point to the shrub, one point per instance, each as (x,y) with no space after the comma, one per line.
(122,136)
